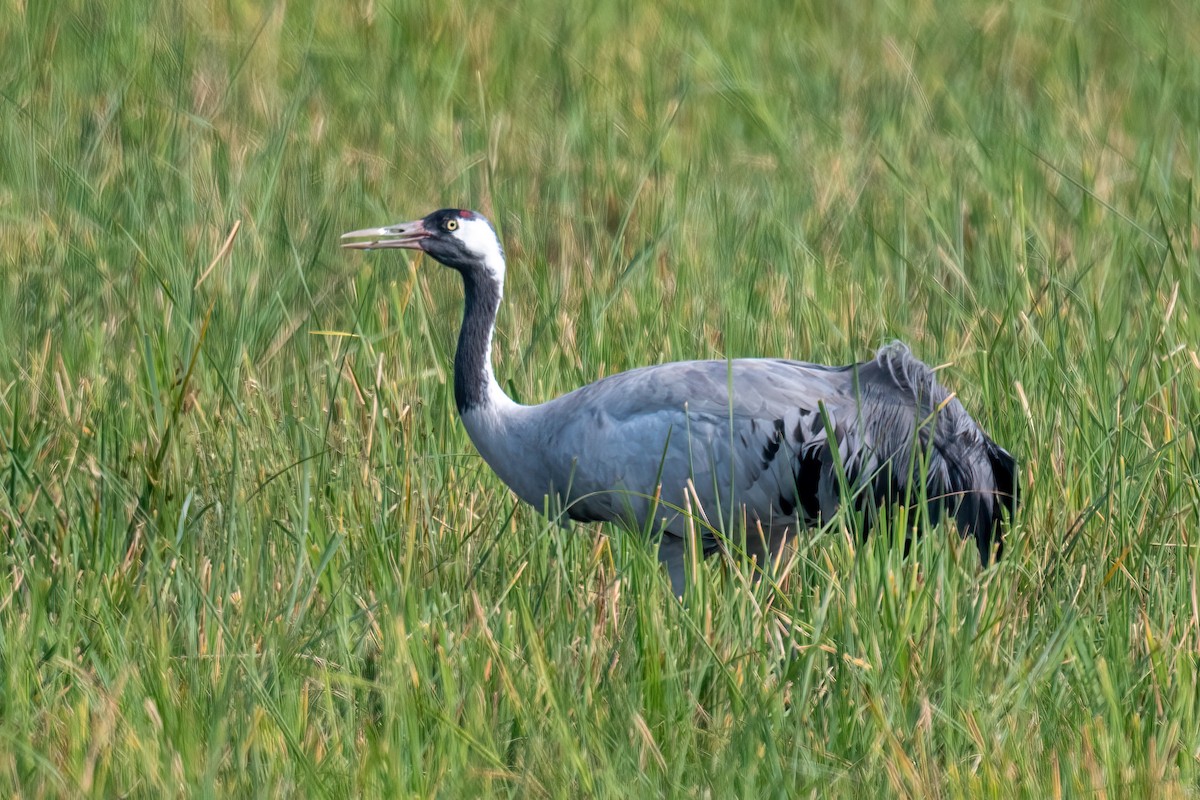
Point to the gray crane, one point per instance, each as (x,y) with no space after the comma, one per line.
(761,446)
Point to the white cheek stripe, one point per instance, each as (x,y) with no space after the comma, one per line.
(479,238)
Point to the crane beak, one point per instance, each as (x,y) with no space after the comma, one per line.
(406,235)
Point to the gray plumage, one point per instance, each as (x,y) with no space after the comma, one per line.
(777,454)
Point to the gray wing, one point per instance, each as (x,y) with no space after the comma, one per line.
(902,438)
(782,449)
(676,433)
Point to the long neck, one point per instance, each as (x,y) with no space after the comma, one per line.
(475,386)
(498,427)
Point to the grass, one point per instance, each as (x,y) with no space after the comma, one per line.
(248,549)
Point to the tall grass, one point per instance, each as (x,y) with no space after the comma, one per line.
(248,549)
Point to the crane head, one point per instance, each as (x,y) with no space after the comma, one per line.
(460,239)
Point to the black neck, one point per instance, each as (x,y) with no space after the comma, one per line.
(472,366)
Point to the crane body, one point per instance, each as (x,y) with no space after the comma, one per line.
(765,447)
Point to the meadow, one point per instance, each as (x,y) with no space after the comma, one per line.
(246,548)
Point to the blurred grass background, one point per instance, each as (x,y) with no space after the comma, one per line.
(248,549)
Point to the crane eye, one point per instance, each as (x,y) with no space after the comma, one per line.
(451,224)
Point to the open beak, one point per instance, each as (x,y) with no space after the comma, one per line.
(406,235)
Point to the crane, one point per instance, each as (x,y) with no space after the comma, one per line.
(765,446)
